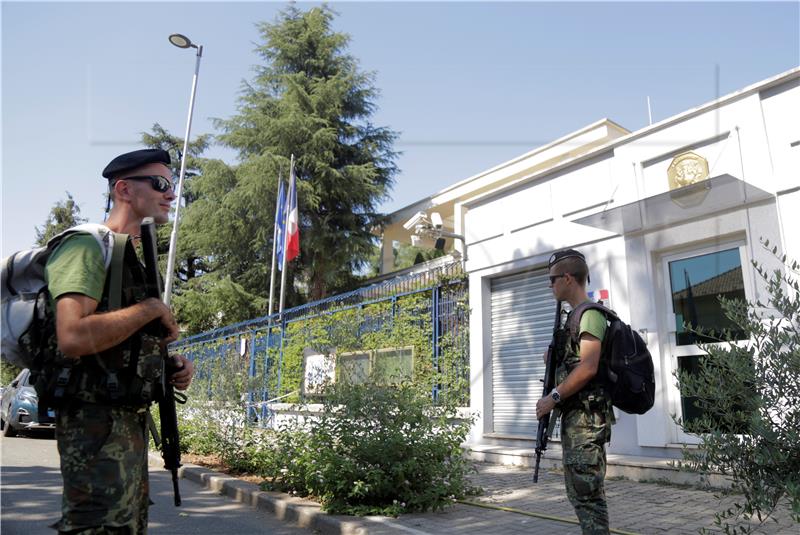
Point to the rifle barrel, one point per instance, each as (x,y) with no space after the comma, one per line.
(548,385)
(170,439)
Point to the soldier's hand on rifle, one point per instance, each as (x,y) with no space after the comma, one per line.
(544,406)
(182,377)
(163,313)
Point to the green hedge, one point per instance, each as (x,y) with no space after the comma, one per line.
(402,322)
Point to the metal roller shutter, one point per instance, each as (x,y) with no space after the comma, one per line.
(522,326)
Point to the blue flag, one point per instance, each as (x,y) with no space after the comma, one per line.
(280,223)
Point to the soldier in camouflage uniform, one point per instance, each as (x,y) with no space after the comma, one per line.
(586,414)
(114,364)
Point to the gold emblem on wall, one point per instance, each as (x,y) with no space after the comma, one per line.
(687,168)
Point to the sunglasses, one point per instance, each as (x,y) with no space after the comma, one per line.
(554,278)
(159,183)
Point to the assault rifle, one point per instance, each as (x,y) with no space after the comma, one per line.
(554,351)
(170,441)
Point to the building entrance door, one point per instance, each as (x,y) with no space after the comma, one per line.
(694,281)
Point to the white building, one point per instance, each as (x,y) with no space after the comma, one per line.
(683,201)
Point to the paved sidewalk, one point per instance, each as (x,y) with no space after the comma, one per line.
(645,508)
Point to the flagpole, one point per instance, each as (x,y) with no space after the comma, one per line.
(283,269)
(274,247)
(278,216)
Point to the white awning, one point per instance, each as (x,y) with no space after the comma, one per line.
(702,199)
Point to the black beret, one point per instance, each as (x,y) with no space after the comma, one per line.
(132,160)
(558,256)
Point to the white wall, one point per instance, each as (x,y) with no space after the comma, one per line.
(535,218)
(780,109)
(754,137)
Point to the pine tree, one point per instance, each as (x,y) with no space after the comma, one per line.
(308,99)
(65,214)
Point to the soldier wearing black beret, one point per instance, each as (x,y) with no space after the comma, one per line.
(132,161)
(101,427)
(580,397)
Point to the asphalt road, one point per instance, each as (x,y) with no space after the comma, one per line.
(30,498)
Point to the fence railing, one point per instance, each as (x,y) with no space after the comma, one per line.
(257,344)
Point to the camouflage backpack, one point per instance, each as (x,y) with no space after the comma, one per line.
(24,292)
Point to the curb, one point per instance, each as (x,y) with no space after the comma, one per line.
(304,513)
(633,468)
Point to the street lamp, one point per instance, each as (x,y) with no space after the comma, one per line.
(181,41)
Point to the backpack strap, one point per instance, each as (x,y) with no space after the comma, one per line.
(115,303)
(8,275)
(574,320)
(115,274)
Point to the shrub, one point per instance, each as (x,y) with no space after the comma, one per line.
(374,450)
(749,393)
(213,421)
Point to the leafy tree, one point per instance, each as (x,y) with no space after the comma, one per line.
(749,394)
(8,372)
(374,262)
(65,214)
(406,255)
(310,99)
(230,228)
(223,302)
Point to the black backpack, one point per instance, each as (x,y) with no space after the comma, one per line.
(626,367)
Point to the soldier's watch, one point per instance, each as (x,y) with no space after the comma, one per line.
(556,396)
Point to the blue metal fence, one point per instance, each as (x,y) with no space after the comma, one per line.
(265,336)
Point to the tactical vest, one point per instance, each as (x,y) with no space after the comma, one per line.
(593,395)
(127,375)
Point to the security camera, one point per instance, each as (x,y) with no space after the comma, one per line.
(420,218)
(436,220)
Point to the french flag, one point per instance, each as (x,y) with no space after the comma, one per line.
(598,295)
(280,223)
(292,248)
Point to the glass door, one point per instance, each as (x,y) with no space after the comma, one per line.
(694,282)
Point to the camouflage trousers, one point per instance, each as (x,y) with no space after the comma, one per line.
(103,454)
(585,430)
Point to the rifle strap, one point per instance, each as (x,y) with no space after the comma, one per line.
(151,425)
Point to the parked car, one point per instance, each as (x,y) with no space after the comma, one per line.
(19,407)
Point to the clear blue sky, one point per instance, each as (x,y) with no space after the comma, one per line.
(468,85)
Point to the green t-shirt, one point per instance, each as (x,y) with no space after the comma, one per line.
(76,266)
(592,322)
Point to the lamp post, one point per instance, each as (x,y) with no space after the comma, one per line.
(181,41)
